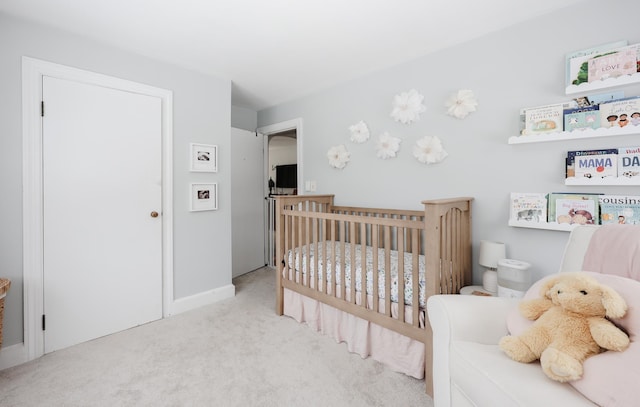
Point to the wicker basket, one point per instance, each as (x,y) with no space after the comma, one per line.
(5,283)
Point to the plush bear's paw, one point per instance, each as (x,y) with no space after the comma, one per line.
(559,366)
(516,349)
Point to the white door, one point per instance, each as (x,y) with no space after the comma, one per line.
(247,201)
(102,190)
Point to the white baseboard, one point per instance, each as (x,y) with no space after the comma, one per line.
(201,299)
(13,355)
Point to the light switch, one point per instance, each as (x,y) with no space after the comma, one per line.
(310,186)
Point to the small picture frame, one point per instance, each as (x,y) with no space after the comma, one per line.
(204,158)
(204,197)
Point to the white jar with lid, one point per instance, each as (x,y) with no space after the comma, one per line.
(514,278)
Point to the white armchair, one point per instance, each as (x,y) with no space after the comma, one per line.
(469,369)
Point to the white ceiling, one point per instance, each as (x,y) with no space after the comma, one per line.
(274,51)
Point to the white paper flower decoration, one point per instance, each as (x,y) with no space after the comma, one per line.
(429,150)
(407,107)
(338,156)
(359,132)
(461,103)
(387,146)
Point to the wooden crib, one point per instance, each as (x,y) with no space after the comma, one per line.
(316,241)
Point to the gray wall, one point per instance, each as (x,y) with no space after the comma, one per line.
(202,111)
(243,118)
(522,66)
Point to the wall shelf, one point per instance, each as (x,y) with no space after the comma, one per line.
(582,89)
(607,83)
(576,134)
(561,227)
(610,181)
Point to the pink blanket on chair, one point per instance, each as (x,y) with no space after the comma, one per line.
(611,378)
(615,249)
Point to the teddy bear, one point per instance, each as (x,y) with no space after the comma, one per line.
(571,323)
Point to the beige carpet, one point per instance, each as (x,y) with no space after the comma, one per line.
(233,353)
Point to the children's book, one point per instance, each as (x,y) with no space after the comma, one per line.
(564,206)
(545,119)
(621,112)
(621,209)
(629,162)
(581,118)
(623,62)
(596,166)
(571,157)
(575,211)
(528,207)
(577,70)
(605,97)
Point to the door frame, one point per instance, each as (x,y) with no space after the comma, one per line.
(33,71)
(266,131)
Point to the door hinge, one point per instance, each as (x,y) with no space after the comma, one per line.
(42,109)
(43,322)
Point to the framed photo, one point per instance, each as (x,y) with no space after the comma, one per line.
(204,158)
(204,197)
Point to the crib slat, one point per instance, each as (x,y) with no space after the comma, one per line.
(387,272)
(415,278)
(352,260)
(363,265)
(334,280)
(314,263)
(374,249)
(300,246)
(325,261)
(343,238)
(400,276)
(287,247)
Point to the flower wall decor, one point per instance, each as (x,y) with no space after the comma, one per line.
(461,103)
(338,156)
(429,150)
(359,132)
(387,146)
(407,107)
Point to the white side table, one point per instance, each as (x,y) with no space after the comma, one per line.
(476,290)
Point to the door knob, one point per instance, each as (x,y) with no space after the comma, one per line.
(154,214)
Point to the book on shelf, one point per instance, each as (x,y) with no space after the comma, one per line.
(528,207)
(613,65)
(621,112)
(629,162)
(581,118)
(622,209)
(596,166)
(573,208)
(544,119)
(571,158)
(577,66)
(605,97)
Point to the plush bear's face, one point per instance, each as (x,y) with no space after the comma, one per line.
(578,295)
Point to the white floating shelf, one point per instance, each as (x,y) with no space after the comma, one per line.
(609,181)
(576,134)
(562,227)
(607,83)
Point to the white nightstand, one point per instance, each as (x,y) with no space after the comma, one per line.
(476,290)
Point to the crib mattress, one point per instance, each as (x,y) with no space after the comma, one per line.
(298,259)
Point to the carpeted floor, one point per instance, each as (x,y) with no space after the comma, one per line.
(236,352)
